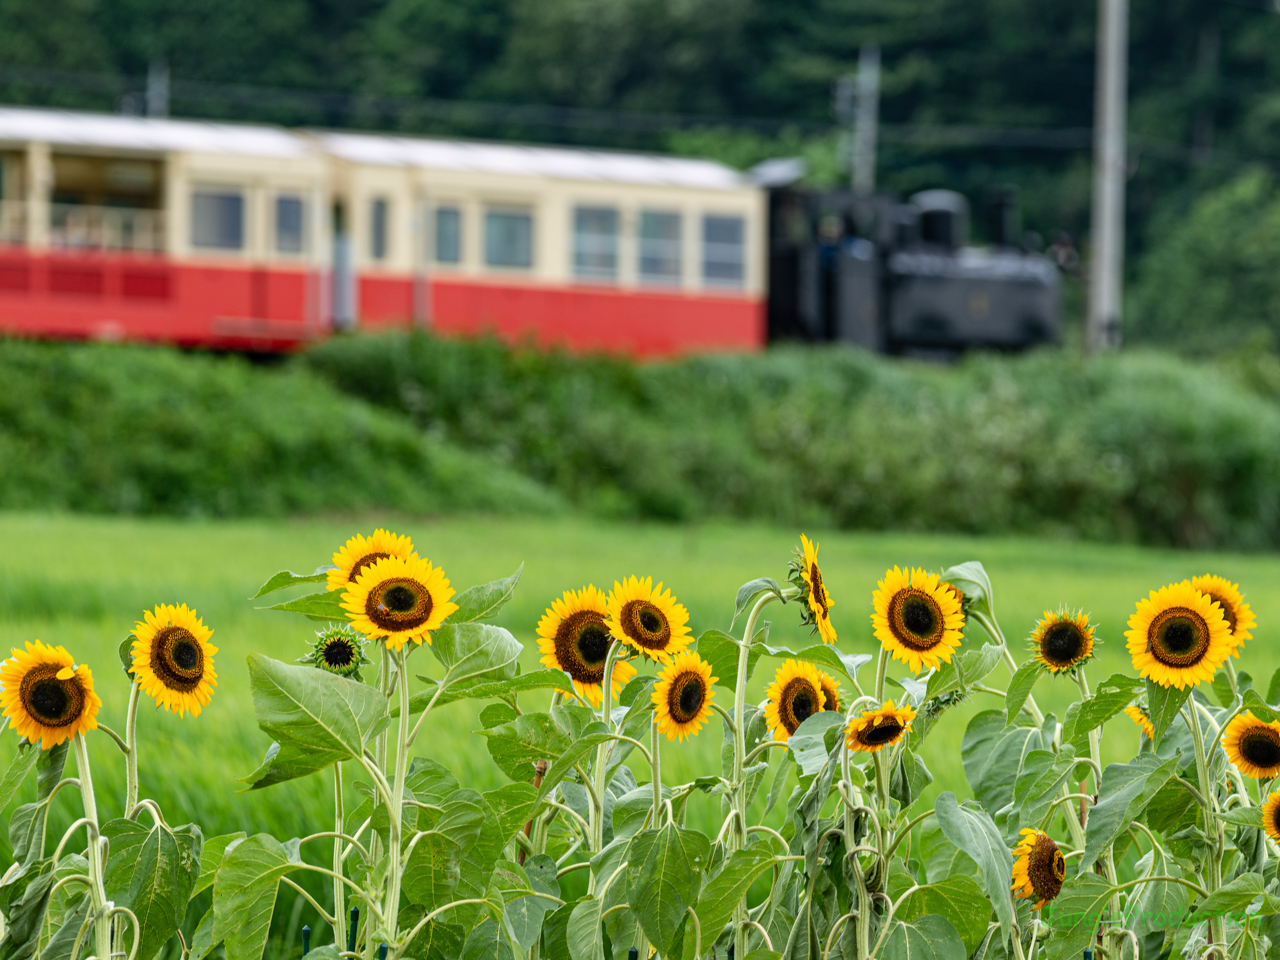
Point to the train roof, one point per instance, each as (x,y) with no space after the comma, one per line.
(561,163)
(70,128)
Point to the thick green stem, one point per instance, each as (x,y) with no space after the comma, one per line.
(990,625)
(395,815)
(1214,879)
(97,889)
(339,891)
(131,752)
(602,758)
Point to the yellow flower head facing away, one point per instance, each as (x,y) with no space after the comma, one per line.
(794,696)
(817,601)
(399,600)
(361,552)
(917,618)
(173,659)
(682,696)
(1039,868)
(830,687)
(47,698)
(1227,595)
(573,637)
(1063,641)
(1271,816)
(1178,637)
(1253,745)
(648,619)
(1138,716)
(877,729)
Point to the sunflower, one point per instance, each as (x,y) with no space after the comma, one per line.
(682,696)
(1253,745)
(573,637)
(399,599)
(794,696)
(916,618)
(1178,637)
(816,602)
(1139,716)
(877,729)
(46,696)
(173,659)
(830,691)
(360,552)
(1038,868)
(648,618)
(1063,642)
(1271,816)
(1240,618)
(338,649)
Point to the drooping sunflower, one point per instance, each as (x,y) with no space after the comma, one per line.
(877,729)
(1063,642)
(794,696)
(46,697)
(1139,716)
(573,637)
(916,618)
(1039,868)
(830,692)
(338,649)
(399,599)
(816,603)
(1178,637)
(648,619)
(1240,618)
(1253,745)
(1271,816)
(360,552)
(682,696)
(173,659)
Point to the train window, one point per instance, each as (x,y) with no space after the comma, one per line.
(289,232)
(508,238)
(660,248)
(217,219)
(448,235)
(595,243)
(723,251)
(378,217)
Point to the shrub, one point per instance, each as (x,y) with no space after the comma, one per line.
(142,430)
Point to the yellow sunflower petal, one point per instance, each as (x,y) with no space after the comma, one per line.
(400,600)
(1178,637)
(648,619)
(683,695)
(172,659)
(794,696)
(917,618)
(46,698)
(360,552)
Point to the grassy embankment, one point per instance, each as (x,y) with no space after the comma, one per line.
(81,582)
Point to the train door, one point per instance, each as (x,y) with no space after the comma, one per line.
(345,288)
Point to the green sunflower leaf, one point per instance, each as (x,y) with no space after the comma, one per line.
(484,600)
(485,689)
(1019,689)
(1163,706)
(1262,710)
(26,899)
(1111,697)
(808,744)
(1073,916)
(520,743)
(583,932)
(244,894)
(972,830)
(1242,816)
(22,763)
(932,937)
(723,892)
(125,652)
(317,606)
(1126,790)
(215,848)
(475,651)
(287,578)
(722,652)
(163,877)
(1234,897)
(750,591)
(672,862)
(959,900)
(1158,905)
(972,580)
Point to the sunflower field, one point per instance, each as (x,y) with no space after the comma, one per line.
(587,851)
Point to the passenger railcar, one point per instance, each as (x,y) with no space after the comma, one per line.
(263,238)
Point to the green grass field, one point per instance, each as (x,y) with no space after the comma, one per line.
(82,581)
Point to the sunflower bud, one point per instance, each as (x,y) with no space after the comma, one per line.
(338,649)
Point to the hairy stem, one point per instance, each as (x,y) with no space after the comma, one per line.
(737,837)
(98,893)
(396,813)
(131,752)
(339,892)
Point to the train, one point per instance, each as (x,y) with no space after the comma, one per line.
(262,238)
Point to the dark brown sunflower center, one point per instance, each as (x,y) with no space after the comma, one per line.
(582,646)
(399,604)
(1063,643)
(368,560)
(1228,610)
(1046,868)
(818,591)
(1261,747)
(177,659)
(339,652)
(1178,637)
(916,619)
(832,699)
(887,731)
(50,701)
(799,702)
(685,697)
(645,624)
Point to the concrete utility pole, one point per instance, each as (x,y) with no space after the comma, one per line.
(158,89)
(1110,162)
(866,120)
